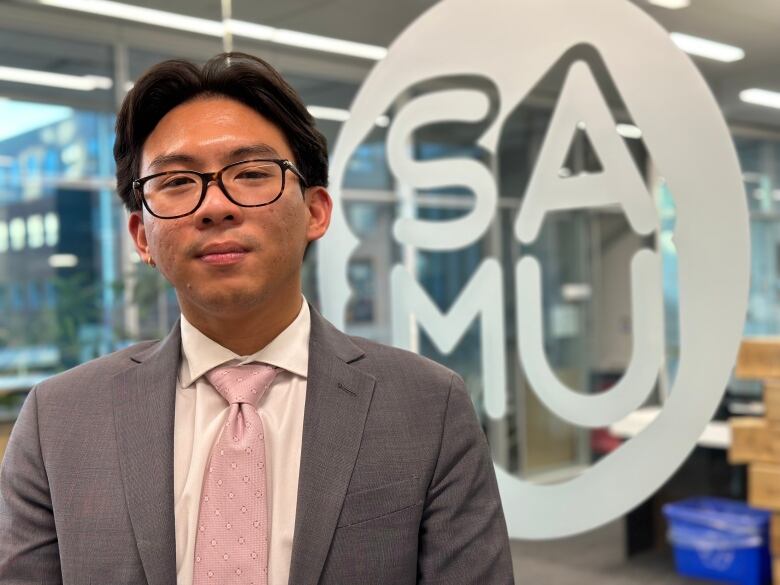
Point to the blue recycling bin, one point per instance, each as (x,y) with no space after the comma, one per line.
(720,539)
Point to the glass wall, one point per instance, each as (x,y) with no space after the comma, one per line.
(58,215)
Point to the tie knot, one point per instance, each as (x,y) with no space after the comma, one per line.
(242,384)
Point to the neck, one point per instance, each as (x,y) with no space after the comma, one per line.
(245,333)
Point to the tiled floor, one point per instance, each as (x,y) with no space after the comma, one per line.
(595,558)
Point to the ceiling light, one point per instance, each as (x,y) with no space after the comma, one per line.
(325,113)
(573,292)
(671,4)
(707,48)
(760,97)
(61,80)
(328,44)
(341,115)
(140,14)
(251,30)
(629,131)
(63,261)
(218,29)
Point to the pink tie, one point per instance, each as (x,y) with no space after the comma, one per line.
(231,546)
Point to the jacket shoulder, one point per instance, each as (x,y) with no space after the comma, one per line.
(391,363)
(92,374)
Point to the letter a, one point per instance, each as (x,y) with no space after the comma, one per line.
(620,183)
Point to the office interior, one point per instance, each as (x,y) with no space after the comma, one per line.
(72,287)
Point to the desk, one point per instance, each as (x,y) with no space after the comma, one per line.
(716,435)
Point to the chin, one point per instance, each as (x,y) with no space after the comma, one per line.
(226,301)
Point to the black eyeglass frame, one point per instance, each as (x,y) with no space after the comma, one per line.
(216,176)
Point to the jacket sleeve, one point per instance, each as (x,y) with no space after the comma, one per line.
(463,536)
(29,552)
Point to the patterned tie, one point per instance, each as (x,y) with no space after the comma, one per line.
(231,546)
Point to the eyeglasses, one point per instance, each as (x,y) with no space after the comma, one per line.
(247,183)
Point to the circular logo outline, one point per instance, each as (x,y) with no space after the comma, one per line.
(686,136)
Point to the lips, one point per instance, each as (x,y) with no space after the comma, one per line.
(222,253)
(222,248)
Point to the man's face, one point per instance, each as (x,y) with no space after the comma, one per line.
(224,258)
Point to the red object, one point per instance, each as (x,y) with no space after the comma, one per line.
(603,442)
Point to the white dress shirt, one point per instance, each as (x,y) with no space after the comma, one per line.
(200,414)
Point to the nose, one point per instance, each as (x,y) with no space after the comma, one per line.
(217,208)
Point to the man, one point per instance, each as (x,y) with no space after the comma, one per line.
(256,443)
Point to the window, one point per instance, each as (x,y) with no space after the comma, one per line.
(17,297)
(33,296)
(35,235)
(3,236)
(52,229)
(17,233)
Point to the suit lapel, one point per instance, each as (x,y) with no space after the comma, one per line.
(337,401)
(144,406)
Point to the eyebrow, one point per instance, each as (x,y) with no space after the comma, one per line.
(241,153)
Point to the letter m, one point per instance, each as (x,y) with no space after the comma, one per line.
(483,296)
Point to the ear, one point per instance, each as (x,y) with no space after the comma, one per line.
(320,206)
(137,229)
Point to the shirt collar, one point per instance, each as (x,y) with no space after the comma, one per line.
(289,350)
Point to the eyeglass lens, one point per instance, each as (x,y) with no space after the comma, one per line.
(250,183)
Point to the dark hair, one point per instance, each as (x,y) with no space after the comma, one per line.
(239,76)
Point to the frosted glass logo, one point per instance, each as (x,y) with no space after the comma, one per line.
(514,43)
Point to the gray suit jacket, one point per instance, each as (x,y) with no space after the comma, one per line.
(396,483)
